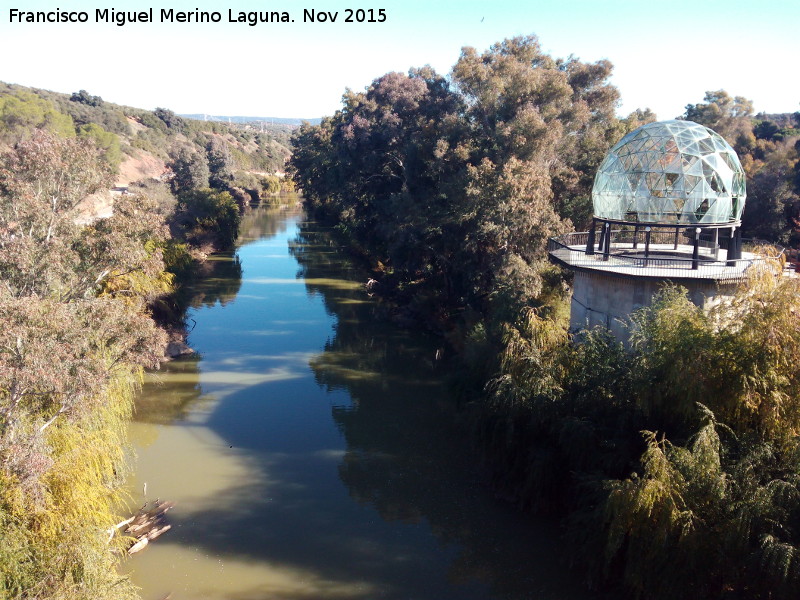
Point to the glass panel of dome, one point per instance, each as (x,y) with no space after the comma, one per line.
(672,163)
(696,168)
(716,184)
(724,209)
(673,181)
(706,146)
(626,161)
(735,204)
(738,184)
(701,210)
(633,179)
(689,181)
(683,141)
(731,161)
(613,165)
(692,148)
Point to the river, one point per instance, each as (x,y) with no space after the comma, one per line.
(311,448)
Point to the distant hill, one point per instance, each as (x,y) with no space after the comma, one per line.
(781,119)
(139,143)
(240,119)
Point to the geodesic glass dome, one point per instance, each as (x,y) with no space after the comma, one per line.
(670,172)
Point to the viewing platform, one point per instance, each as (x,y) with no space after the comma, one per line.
(665,254)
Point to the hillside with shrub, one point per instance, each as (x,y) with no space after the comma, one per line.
(139,144)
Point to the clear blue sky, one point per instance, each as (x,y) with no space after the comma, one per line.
(666,54)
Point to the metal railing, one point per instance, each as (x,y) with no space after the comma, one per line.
(668,255)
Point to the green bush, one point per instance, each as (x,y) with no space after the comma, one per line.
(106,141)
(208,216)
(23,111)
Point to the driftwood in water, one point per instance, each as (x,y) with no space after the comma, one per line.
(147,524)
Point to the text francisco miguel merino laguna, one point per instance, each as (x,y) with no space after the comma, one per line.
(170,15)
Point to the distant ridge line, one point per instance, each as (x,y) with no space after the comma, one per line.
(242,119)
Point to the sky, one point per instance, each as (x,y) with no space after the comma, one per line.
(665,54)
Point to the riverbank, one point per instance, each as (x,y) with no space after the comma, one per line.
(76,334)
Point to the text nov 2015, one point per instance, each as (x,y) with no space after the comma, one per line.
(358,15)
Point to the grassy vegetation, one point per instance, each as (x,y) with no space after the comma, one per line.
(674,461)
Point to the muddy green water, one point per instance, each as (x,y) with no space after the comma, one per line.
(311,451)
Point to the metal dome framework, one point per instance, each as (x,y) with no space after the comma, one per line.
(670,172)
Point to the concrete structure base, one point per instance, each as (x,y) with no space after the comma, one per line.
(608,299)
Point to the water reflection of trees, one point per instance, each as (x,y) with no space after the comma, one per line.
(168,394)
(406,456)
(264,222)
(405,460)
(219,278)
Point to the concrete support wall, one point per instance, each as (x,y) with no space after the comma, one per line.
(600,298)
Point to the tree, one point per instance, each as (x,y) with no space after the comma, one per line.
(42,250)
(768,157)
(389,167)
(65,397)
(729,117)
(106,141)
(638,118)
(170,119)
(313,165)
(84,97)
(707,519)
(208,217)
(220,163)
(189,171)
(455,186)
(714,511)
(271,184)
(542,125)
(766,130)
(772,202)
(55,359)
(738,359)
(68,365)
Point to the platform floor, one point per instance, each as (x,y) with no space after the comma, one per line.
(664,262)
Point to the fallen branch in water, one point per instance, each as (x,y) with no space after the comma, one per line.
(146,525)
(117,527)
